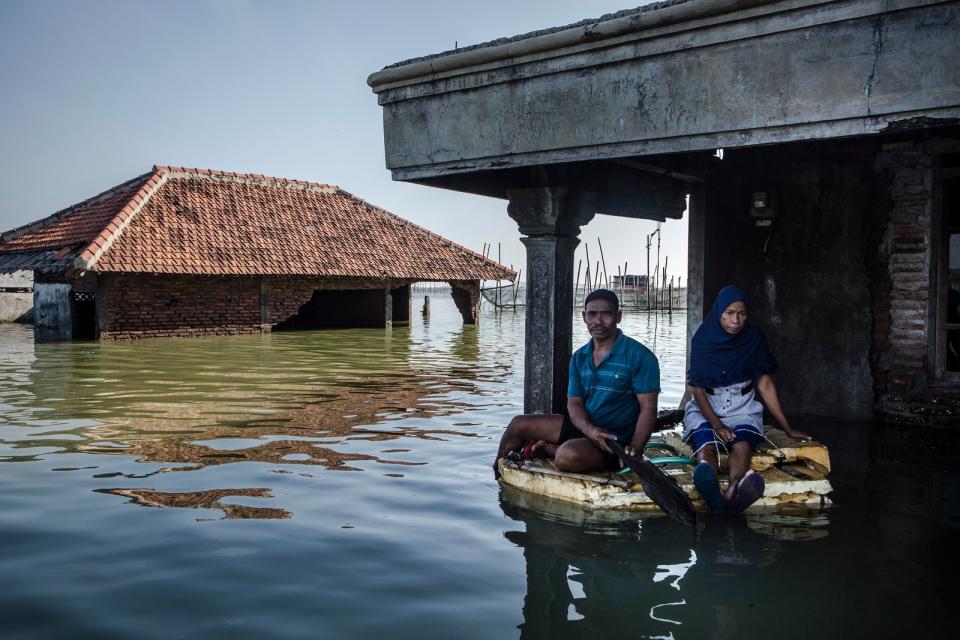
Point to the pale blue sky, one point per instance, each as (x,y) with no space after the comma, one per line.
(97,91)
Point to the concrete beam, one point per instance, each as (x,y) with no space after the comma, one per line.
(692,77)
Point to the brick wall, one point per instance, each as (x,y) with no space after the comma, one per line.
(900,335)
(141,306)
(466,295)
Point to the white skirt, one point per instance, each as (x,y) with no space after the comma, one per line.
(733,407)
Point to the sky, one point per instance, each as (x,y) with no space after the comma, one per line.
(96,92)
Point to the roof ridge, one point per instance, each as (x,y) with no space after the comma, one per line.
(433,234)
(16,232)
(250,178)
(96,248)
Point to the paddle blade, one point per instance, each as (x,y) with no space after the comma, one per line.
(659,487)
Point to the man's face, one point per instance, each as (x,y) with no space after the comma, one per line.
(601,319)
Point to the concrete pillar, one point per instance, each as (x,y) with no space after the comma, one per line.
(549,219)
(388,309)
(696,246)
(102,316)
(264,305)
(466,295)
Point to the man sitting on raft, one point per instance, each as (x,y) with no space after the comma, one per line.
(611,395)
(729,362)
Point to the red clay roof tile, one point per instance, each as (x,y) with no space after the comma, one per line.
(210,222)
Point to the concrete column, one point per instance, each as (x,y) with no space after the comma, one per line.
(466,295)
(550,219)
(388,309)
(264,305)
(696,247)
(102,316)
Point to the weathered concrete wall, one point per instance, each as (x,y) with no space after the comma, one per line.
(716,74)
(16,296)
(51,304)
(807,277)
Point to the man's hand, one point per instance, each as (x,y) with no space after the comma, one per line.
(599,437)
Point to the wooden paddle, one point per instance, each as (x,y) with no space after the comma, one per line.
(661,488)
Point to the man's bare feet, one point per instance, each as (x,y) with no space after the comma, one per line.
(540,449)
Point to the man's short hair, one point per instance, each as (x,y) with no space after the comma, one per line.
(603,294)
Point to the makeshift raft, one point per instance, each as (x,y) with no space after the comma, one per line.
(795,472)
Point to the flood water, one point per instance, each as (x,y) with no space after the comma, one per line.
(337,484)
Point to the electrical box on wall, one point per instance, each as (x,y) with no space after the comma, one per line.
(762,207)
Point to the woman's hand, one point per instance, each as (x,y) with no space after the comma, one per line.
(796,435)
(723,432)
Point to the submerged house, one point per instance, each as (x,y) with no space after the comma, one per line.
(186,252)
(818,144)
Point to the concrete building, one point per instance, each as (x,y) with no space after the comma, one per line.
(834,200)
(185,252)
(16,296)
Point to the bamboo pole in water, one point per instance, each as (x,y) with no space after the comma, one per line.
(670,299)
(516,289)
(606,281)
(576,286)
(647,283)
(483,252)
(596,279)
(588,279)
(620,278)
(499,261)
(623,284)
(666,260)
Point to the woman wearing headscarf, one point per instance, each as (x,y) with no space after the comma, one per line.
(730,362)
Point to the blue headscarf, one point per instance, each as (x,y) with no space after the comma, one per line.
(717,358)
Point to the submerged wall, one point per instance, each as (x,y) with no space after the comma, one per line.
(140,306)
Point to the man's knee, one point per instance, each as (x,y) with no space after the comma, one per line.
(566,460)
(573,459)
(517,425)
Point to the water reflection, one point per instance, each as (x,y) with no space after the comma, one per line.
(111,453)
(211,499)
(585,569)
(289,400)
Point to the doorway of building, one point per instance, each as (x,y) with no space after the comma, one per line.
(947,307)
(83,314)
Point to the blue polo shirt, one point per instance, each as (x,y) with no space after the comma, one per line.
(609,391)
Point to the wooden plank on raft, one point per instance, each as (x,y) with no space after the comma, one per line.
(809,451)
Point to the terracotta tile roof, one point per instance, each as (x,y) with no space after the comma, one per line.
(53,243)
(178,220)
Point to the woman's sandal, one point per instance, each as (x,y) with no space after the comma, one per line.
(748,490)
(706,482)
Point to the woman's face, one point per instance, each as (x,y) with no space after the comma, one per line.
(734,317)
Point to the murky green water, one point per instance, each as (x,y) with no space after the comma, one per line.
(336,484)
